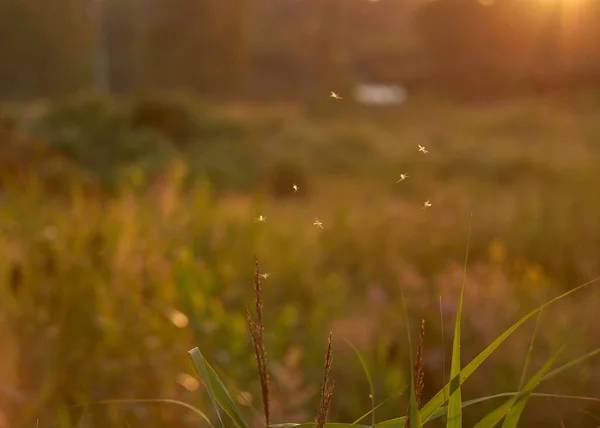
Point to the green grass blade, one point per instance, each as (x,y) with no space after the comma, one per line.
(443,345)
(571,363)
(530,350)
(438,399)
(200,365)
(400,422)
(415,416)
(365,368)
(455,401)
(375,408)
(198,412)
(513,408)
(312,425)
(216,389)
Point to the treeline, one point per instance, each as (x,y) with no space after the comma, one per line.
(295,46)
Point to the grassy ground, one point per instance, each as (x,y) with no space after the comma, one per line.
(128,235)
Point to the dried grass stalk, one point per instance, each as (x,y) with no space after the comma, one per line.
(257,328)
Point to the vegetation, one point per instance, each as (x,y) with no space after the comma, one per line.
(128,226)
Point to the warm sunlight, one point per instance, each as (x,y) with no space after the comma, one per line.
(386,195)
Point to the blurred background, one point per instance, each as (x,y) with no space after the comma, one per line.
(140,140)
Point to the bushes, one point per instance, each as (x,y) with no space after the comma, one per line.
(101,287)
(104,136)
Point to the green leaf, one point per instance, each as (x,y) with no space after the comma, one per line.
(443,344)
(515,412)
(571,363)
(401,422)
(455,401)
(312,425)
(375,408)
(216,389)
(513,408)
(438,399)
(528,358)
(198,412)
(367,372)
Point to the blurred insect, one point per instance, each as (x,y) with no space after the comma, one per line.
(402,177)
(318,223)
(260,219)
(426,205)
(423,149)
(264,275)
(295,187)
(335,96)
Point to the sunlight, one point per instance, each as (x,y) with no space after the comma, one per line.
(563,3)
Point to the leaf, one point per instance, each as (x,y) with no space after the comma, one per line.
(438,399)
(528,358)
(455,401)
(571,363)
(513,408)
(216,389)
(367,372)
(401,422)
(312,425)
(375,408)
(154,400)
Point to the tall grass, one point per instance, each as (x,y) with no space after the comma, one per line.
(510,411)
(101,295)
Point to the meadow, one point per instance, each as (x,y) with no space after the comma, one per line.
(129,229)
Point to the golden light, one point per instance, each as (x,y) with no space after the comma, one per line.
(562,3)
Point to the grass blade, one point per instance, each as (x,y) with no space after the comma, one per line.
(513,408)
(401,422)
(375,408)
(313,425)
(528,359)
(455,401)
(198,412)
(438,399)
(571,363)
(365,368)
(216,389)
(443,345)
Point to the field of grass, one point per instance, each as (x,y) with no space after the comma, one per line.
(128,237)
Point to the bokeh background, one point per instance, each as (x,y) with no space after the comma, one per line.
(140,139)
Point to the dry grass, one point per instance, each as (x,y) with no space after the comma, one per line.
(326,389)
(257,329)
(418,373)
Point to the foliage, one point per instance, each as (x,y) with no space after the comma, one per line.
(100,297)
